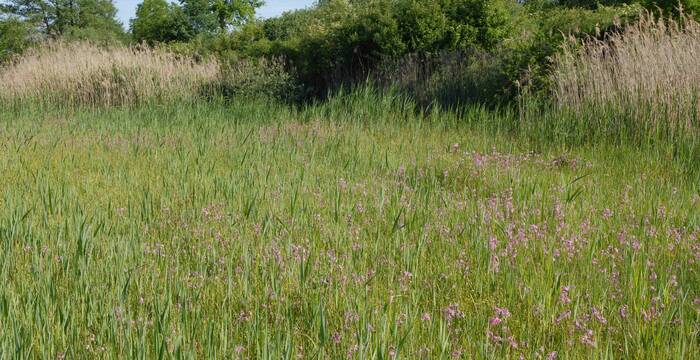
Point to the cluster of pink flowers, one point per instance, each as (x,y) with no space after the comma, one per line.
(452,312)
(497,331)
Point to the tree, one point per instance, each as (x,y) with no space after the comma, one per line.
(209,16)
(234,12)
(422,24)
(56,18)
(14,36)
(157,21)
(200,15)
(476,23)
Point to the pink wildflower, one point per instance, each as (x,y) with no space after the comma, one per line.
(588,339)
(564,295)
(502,312)
(623,311)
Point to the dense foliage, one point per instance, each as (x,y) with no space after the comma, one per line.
(14,38)
(448,52)
(159,21)
(83,19)
(338,42)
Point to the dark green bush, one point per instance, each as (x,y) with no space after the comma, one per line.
(14,38)
(340,42)
(504,45)
(482,51)
(260,78)
(497,74)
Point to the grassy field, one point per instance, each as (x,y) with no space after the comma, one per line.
(259,231)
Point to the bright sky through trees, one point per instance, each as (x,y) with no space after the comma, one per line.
(127,8)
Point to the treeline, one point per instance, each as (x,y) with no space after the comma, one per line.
(25,23)
(450,51)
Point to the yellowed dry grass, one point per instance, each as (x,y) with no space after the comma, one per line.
(84,74)
(651,64)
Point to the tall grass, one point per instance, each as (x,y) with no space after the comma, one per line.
(648,70)
(355,228)
(83,74)
(449,79)
(349,229)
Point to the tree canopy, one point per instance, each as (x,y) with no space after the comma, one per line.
(160,22)
(93,19)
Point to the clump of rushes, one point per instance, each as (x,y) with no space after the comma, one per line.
(649,69)
(71,74)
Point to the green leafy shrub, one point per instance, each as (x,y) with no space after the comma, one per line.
(497,74)
(340,42)
(260,78)
(14,38)
(543,32)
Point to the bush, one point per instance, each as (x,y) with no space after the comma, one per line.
(14,38)
(528,57)
(497,74)
(254,79)
(501,45)
(340,42)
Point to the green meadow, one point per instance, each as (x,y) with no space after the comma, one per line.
(348,229)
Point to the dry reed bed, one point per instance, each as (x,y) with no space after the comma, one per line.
(652,64)
(81,73)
